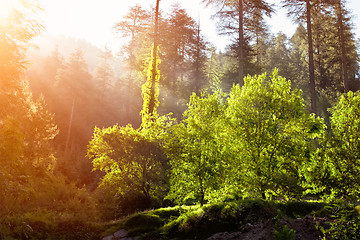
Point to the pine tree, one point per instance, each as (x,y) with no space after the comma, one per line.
(302,11)
(233,16)
(338,6)
(104,73)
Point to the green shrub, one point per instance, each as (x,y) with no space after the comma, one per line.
(142,222)
(284,233)
(167,214)
(346,225)
(296,209)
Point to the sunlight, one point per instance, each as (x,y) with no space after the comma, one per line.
(6,7)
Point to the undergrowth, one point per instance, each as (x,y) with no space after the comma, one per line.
(189,222)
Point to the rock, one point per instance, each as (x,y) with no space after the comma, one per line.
(108,237)
(120,235)
(247,227)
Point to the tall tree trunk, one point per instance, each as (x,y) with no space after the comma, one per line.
(197,62)
(311,59)
(342,46)
(202,192)
(154,63)
(132,66)
(241,43)
(69,129)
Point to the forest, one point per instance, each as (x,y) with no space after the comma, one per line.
(171,138)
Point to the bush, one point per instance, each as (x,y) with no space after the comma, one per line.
(296,209)
(346,225)
(142,223)
(55,209)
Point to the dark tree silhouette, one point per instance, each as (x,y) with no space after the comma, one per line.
(239,8)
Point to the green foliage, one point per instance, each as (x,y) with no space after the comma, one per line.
(334,170)
(271,135)
(150,89)
(195,149)
(255,142)
(25,148)
(53,209)
(133,161)
(346,223)
(299,209)
(139,223)
(16,33)
(43,224)
(284,233)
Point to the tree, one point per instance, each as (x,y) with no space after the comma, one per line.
(302,10)
(104,73)
(271,135)
(278,55)
(151,87)
(178,42)
(74,84)
(195,149)
(327,56)
(199,61)
(340,15)
(38,130)
(132,159)
(16,33)
(133,162)
(299,63)
(258,30)
(183,54)
(237,11)
(346,47)
(334,170)
(134,28)
(26,127)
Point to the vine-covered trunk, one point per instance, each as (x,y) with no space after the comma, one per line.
(154,70)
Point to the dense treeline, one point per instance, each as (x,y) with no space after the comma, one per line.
(288,134)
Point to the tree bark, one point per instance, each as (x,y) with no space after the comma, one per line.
(241,43)
(263,195)
(154,63)
(311,60)
(202,193)
(342,46)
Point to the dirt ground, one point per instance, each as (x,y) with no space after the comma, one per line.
(305,230)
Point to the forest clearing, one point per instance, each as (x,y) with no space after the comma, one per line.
(172,138)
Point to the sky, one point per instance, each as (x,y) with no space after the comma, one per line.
(93,20)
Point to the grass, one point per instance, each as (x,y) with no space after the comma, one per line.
(189,222)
